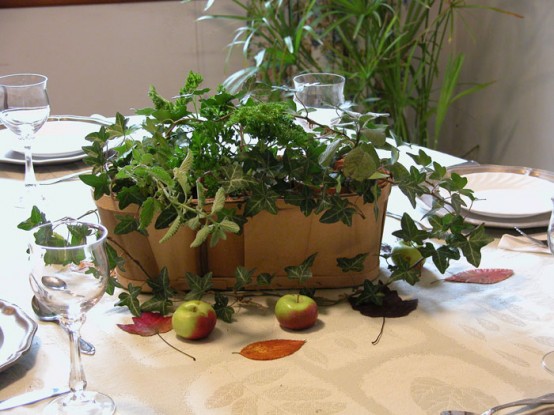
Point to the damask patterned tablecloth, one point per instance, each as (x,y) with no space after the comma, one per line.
(466,345)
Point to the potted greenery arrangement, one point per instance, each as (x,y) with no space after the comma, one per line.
(203,168)
(212,173)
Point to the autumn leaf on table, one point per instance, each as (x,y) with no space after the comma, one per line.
(481,276)
(149,324)
(271,349)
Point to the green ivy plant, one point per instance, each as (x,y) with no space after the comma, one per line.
(200,150)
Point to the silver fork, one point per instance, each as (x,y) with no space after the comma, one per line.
(67,177)
(532,239)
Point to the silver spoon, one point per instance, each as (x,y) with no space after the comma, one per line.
(44,314)
(541,400)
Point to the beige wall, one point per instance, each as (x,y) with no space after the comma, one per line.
(512,121)
(102,59)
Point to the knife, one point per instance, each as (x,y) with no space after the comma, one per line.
(31,397)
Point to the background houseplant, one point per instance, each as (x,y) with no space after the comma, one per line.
(199,151)
(392,53)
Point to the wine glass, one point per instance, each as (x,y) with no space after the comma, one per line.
(319,96)
(69,273)
(24,108)
(548,358)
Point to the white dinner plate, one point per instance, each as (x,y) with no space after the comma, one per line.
(60,140)
(509,195)
(472,217)
(17,330)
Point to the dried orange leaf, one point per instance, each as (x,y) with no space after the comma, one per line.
(482,276)
(271,349)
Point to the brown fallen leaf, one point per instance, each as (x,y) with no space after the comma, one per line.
(271,349)
(392,306)
(481,276)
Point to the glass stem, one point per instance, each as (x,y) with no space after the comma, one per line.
(77,380)
(30,179)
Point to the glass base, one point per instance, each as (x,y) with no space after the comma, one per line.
(548,361)
(85,403)
(30,196)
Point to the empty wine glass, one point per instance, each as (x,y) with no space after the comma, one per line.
(548,358)
(24,108)
(319,96)
(69,273)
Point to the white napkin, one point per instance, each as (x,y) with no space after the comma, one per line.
(522,244)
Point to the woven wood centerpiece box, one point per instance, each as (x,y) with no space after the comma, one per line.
(268,243)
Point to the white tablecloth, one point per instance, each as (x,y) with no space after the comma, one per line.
(466,346)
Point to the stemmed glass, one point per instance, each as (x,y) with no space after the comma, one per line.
(320,93)
(24,108)
(69,273)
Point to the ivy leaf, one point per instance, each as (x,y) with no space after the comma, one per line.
(471,248)
(422,158)
(222,309)
(264,279)
(262,198)
(355,264)
(304,200)
(157,304)
(271,349)
(148,324)
(390,304)
(410,232)
(303,271)
(371,294)
(126,224)
(112,284)
(405,272)
(161,285)
(130,299)
(36,218)
(409,182)
(234,178)
(198,285)
(443,255)
(243,277)
(359,164)
(340,210)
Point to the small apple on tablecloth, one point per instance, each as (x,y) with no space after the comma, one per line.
(194,319)
(296,311)
(407,253)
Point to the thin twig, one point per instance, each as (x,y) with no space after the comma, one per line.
(175,348)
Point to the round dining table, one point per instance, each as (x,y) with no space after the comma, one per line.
(466,345)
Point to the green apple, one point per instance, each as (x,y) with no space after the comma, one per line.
(296,311)
(407,253)
(194,319)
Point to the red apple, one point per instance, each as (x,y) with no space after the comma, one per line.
(296,311)
(194,319)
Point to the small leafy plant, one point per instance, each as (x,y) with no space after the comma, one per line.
(200,150)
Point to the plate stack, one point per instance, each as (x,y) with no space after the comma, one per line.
(60,140)
(506,196)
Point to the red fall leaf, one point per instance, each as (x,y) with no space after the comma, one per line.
(271,349)
(481,276)
(148,324)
